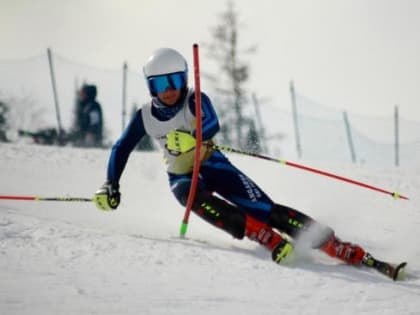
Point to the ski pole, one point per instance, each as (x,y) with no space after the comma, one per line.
(198,137)
(395,195)
(37,198)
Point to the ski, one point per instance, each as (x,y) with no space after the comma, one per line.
(393,271)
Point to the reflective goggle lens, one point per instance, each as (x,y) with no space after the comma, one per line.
(161,83)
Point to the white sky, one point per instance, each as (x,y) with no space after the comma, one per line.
(359,55)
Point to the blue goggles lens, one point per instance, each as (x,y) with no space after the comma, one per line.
(161,83)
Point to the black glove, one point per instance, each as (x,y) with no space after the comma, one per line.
(108,196)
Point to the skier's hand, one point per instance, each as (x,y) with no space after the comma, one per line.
(107,197)
(178,141)
(283,252)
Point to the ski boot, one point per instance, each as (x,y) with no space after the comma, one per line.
(357,256)
(262,233)
(393,271)
(349,253)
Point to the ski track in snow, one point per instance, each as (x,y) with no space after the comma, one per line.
(69,258)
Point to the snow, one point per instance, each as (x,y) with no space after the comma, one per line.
(70,258)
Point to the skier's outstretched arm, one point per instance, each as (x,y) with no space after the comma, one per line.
(108,195)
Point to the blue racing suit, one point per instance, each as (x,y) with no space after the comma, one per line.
(225,196)
(217,174)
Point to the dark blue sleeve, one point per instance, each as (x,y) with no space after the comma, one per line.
(124,146)
(210,122)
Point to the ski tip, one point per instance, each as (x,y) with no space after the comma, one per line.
(400,273)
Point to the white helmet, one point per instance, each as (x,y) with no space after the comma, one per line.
(165,61)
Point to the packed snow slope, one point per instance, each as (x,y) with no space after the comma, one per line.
(70,258)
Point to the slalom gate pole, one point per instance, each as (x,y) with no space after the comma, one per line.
(37,198)
(395,195)
(198,137)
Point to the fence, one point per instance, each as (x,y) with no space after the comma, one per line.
(310,131)
(27,86)
(324,133)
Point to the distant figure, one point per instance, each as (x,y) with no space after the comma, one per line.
(89,118)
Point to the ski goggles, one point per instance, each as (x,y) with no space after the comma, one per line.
(161,83)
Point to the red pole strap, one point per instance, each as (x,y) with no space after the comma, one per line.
(198,137)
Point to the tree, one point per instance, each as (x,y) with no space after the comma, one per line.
(4,126)
(23,113)
(231,78)
(253,142)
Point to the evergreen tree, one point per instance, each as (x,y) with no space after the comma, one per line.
(231,78)
(4,126)
(253,142)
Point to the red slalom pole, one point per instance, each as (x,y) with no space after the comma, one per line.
(198,137)
(395,195)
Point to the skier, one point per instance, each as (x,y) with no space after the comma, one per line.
(89,117)
(225,197)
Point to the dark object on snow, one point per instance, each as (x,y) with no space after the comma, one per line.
(42,136)
(47,136)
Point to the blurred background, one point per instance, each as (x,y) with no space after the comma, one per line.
(316,80)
